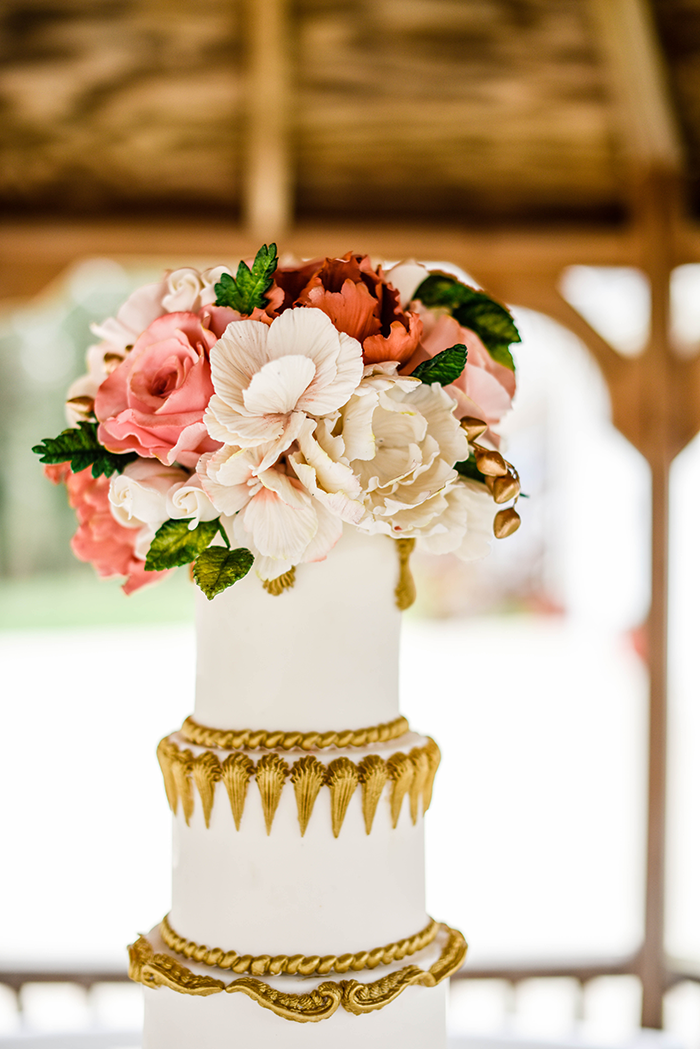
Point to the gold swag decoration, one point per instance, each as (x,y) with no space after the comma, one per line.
(161,970)
(250,739)
(409,774)
(297,964)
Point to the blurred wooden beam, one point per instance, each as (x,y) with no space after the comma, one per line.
(647,122)
(267,180)
(34,252)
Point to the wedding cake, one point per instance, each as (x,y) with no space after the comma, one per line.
(291,432)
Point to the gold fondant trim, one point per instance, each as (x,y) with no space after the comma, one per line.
(342,777)
(373,776)
(409,774)
(297,964)
(281,583)
(405,592)
(270,774)
(249,739)
(308,776)
(160,970)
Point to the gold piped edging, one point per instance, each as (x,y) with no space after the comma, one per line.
(161,970)
(409,774)
(297,964)
(250,739)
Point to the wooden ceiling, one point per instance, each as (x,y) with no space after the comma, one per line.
(466,112)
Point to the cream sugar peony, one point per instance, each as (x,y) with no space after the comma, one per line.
(244,420)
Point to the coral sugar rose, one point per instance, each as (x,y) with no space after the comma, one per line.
(154,402)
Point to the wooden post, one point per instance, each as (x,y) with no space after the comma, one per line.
(267,188)
(658,197)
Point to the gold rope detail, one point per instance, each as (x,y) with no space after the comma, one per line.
(249,739)
(160,970)
(408,774)
(297,964)
(405,588)
(281,583)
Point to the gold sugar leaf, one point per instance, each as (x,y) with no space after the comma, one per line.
(182,771)
(433,752)
(343,777)
(405,592)
(308,776)
(421,765)
(373,776)
(270,775)
(167,754)
(281,583)
(236,772)
(401,771)
(207,773)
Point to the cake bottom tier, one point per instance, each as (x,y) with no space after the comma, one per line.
(194,1005)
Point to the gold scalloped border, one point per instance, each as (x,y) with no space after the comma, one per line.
(296,964)
(409,774)
(160,970)
(256,739)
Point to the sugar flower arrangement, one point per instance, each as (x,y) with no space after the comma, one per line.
(237,421)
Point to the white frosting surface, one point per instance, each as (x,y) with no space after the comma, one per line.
(284,894)
(321,656)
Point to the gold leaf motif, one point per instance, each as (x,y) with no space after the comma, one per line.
(160,970)
(405,592)
(207,773)
(401,771)
(304,1008)
(373,777)
(421,766)
(167,754)
(270,775)
(342,778)
(236,772)
(156,970)
(433,762)
(182,771)
(281,583)
(308,776)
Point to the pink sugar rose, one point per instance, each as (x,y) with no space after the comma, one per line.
(153,403)
(485,388)
(100,539)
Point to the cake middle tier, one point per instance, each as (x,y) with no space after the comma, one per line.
(296,853)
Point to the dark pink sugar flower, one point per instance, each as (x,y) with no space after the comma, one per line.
(100,540)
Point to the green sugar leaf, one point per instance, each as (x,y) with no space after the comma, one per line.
(247,290)
(444,367)
(474,310)
(176,544)
(218,568)
(80,447)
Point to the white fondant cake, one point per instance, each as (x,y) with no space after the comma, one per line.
(298,867)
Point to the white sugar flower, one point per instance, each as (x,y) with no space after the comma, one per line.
(465,527)
(273,514)
(138,498)
(187,499)
(141,308)
(268,379)
(385,462)
(188,289)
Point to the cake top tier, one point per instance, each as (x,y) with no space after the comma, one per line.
(321,656)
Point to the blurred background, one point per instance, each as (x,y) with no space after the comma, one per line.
(550,150)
